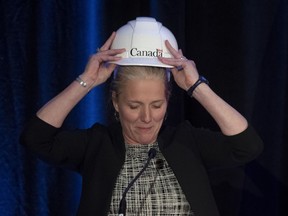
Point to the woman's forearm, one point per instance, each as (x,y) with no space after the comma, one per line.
(56,110)
(229,120)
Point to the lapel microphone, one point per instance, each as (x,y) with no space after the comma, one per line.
(122,206)
(159,164)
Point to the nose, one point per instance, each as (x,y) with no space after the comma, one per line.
(146,115)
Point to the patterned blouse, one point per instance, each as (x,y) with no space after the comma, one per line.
(156,191)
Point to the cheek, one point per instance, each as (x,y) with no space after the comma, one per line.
(159,115)
(132,116)
(128,115)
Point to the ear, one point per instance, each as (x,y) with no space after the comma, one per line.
(115,101)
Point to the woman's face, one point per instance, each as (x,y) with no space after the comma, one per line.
(142,106)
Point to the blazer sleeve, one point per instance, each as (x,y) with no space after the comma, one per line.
(55,146)
(218,150)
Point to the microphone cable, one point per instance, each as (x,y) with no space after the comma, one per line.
(122,206)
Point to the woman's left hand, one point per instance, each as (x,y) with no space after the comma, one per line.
(184,72)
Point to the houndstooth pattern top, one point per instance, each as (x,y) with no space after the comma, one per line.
(156,192)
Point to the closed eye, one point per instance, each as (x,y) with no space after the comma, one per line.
(133,107)
(157,105)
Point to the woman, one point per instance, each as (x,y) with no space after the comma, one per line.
(108,158)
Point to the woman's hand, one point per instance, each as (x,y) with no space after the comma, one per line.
(184,72)
(97,70)
(229,120)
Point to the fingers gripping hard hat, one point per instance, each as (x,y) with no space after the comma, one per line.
(144,40)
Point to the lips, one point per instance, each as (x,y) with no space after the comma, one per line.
(144,129)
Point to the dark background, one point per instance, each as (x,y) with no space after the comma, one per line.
(241,46)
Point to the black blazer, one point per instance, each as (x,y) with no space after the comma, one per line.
(98,154)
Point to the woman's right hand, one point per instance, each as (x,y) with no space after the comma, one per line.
(97,70)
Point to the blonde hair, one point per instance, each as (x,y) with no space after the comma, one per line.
(126,73)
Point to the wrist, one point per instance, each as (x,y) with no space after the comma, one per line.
(85,82)
(200,80)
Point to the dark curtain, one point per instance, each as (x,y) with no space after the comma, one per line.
(241,46)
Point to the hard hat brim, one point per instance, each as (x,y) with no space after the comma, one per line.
(153,62)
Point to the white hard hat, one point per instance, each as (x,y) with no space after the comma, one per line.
(144,40)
